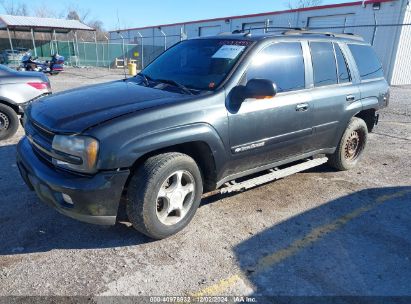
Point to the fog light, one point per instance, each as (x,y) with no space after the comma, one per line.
(67,199)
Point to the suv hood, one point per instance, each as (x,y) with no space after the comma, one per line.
(75,110)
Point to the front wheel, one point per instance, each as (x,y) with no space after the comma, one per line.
(9,122)
(351,145)
(164,194)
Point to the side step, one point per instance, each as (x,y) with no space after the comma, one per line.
(274,174)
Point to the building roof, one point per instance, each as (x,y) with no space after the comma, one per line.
(364,2)
(23,23)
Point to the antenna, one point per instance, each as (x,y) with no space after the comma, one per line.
(118,21)
(124,55)
(122,39)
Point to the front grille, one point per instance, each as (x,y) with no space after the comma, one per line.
(46,134)
(40,139)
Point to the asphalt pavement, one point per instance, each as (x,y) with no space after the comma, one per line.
(316,233)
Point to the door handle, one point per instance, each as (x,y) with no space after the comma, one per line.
(302,107)
(350,98)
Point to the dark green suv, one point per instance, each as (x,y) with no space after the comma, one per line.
(206,112)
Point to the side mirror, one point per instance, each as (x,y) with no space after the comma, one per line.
(260,88)
(255,88)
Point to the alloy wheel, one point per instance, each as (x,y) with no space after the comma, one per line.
(175,197)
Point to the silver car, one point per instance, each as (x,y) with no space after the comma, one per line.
(17,89)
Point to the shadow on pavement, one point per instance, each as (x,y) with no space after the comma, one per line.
(28,226)
(359,244)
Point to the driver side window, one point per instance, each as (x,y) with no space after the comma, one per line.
(282,63)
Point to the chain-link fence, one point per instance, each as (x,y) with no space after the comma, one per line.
(77,53)
(150,47)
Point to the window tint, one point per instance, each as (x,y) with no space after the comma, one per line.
(343,73)
(324,67)
(282,63)
(198,63)
(367,62)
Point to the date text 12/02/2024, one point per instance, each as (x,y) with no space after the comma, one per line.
(203,299)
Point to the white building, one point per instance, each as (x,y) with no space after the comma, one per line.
(386,24)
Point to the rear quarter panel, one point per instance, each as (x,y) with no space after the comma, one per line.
(18,93)
(14,87)
(374,92)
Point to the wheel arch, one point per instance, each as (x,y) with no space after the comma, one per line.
(10,104)
(368,115)
(200,151)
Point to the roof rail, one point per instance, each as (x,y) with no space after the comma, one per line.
(330,34)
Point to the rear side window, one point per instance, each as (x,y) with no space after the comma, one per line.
(343,72)
(367,61)
(324,67)
(282,63)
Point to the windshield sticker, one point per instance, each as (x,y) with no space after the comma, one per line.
(235,42)
(229,51)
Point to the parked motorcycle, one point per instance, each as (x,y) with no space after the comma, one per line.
(53,67)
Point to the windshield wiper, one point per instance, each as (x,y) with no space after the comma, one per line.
(175,83)
(145,79)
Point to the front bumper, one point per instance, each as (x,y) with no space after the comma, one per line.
(94,199)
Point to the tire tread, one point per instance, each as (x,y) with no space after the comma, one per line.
(336,160)
(13,122)
(137,190)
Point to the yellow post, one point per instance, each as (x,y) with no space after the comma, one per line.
(132,69)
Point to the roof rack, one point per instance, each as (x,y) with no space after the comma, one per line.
(329,34)
(245,32)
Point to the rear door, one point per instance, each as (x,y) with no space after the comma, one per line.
(333,23)
(333,93)
(255,27)
(211,30)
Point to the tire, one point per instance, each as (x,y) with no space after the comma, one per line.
(351,146)
(156,188)
(9,122)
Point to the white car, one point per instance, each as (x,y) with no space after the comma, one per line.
(17,89)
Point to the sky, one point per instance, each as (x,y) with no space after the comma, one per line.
(138,13)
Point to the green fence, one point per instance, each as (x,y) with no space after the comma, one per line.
(100,54)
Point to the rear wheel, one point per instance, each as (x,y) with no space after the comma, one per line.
(351,146)
(164,194)
(9,122)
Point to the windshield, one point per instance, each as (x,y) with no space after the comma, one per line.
(200,64)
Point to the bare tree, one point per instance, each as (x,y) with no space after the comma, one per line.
(44,11)
(294,4)
(77,13)
(82,16)
(73,15)
(11,8)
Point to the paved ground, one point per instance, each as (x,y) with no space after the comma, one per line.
(315,233)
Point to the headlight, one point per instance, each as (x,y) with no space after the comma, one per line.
(78,153)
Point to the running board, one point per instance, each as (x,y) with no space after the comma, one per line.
(274,174)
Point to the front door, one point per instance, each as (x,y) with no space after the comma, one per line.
(263,131)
